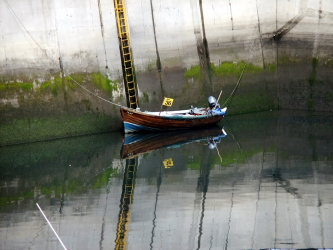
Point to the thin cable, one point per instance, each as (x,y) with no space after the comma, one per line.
(239,79)
(51,227)
(232,93)
(25,28)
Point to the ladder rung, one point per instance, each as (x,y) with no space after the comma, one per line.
(129,71)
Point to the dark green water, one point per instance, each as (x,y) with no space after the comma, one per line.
(267,184)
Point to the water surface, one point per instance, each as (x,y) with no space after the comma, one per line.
(267,184)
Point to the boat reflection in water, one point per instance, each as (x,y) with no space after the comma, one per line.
(139,143)
(136,144)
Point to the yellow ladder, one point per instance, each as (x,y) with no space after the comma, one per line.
(128,65)
(125,204)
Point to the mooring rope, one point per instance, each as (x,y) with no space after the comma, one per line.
(90,91)
(232,93)
(53,61)
(240,77)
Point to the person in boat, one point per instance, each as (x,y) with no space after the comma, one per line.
(212,105)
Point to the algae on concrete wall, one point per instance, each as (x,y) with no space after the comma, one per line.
(58,107)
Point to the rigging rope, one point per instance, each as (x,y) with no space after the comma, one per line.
(232,93)
(90,91)
(240,77)
(52,60)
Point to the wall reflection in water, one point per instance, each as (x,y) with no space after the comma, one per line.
(266,184)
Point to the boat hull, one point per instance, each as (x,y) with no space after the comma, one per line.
(137,121)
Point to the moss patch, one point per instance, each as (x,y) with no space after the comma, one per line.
(16,85)
(254,101)
(194,72)
(234,69)
(227,69)
(145,97)
(36,129)
(104,83)
(287,59)
(57,83)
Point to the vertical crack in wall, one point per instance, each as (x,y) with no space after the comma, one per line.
(5,53)
(231,16)
(266,82)
(232,27)
(158,60)
(205,42)
(260,37)
(313,76)
(279,33)
(102,31)
(4,46)
(61,66)
(277,58)
(201,41)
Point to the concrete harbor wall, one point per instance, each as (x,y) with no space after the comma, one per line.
(185,50)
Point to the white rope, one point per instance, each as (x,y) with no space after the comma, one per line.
(90,91)
(51,227)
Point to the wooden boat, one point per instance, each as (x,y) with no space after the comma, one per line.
(139,143)
(137,121)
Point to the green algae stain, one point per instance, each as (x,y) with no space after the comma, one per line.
(104,83)
(145,97)
(58,82)
(29,130)
(313,76)
(16,85)
(104,178)
(271,67)
(286,59)
(234,69)
(186,86)
(227,69)
(249,102)
(194,72)
(50,85)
